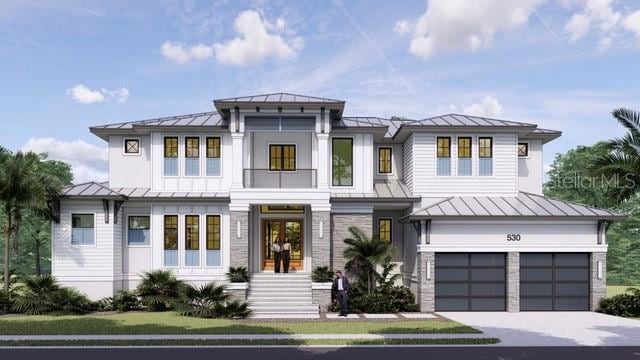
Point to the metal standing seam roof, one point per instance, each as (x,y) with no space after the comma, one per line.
(523,205)
(392,125)
(90,190)
(389,190)
(459,120)
(102,190)
(281,97)
(206,119)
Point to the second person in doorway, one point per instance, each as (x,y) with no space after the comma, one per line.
(286,254)
(277,256)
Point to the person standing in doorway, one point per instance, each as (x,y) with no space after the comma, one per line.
(277,256)
(341,289)
(286,254)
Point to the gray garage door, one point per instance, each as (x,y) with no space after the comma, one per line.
(470,282)
(554,282)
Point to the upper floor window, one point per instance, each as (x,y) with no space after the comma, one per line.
(485,154)
(171,156)
(82,229)
(213,156)
(138,230)
(342,162)
(523,149)
(213,240)
(131,146)
(171,240)
(464,156)
(384,160)
(192,240)
(384,229)
(192,156)
(282,157)
(444,156)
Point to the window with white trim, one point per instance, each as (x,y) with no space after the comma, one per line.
(443,156)
(213,156)
(131,146)
(192,240)
(171,240)
(523,149)
(464,156)
(213,240)
(82,229)
(192,156)
(138,230)
(171,156)
(485,156)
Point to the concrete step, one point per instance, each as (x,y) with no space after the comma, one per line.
(275,308)
(277,316)
(281,298)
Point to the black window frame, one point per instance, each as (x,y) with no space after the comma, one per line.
(526,145)
(390,220)
(333,165)
(447,147)
(126,146)
(281,161)
(388,161)
(168,150)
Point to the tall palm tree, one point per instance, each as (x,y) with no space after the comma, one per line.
(23,187)
(622,163)
(364,254)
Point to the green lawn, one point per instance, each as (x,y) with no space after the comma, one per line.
(172,323)
(618,289)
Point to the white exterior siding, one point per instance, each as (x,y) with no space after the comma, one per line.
(407,160)
(129,170)
(503,182)
(530,168)
(136,258)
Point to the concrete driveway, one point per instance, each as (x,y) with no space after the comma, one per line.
(553,328)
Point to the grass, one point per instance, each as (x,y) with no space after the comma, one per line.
(173,323)
(462,341)
(613,290)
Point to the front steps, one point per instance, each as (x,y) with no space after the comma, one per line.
(281,296)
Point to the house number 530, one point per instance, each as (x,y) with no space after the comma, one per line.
(513,237)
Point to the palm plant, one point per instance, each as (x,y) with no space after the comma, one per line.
(322,274)
(159,290)
(210,301)
(22,188)
(41,294)
(386,280)
(363,254)
(238,274)
(622,163)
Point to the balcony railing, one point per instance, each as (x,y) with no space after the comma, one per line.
(275,179)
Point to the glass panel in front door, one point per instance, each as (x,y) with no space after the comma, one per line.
(272,235)
(293,232)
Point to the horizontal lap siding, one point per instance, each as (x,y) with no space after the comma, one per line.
(504,180)
(89,260)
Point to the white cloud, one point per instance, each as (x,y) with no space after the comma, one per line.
(84,95)
(632,24)
(578,26)
(403,26)
(489,106)
(89,162)
(183,54)
(594,13)
(452,25)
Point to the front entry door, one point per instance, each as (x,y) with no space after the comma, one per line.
(274,230)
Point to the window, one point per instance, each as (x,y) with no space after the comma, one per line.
(138,230)
(523,149)
(171,240)
(171,156)
(384,160)
(342,161)
(485,154)
(444,156)
(192,240)
(213,156)
(464,156)
(282,157)
(82,229)
(213,240)
(384,229)
(131,146)
(192,156)
(282,209)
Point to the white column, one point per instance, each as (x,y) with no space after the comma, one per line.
(423,232)
(323,161)
(237,165)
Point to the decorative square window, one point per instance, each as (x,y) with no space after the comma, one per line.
(282,157)
(443,156)
(384,229)
(384,160)
(523,149)
(82,229)
(131,146)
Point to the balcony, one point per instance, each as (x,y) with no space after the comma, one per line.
(273,179)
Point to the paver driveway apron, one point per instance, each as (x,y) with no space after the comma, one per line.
(553,328)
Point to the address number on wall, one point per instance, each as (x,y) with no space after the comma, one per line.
(514,237)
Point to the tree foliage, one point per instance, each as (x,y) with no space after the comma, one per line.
(364,254)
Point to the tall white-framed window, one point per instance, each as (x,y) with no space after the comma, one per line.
(214,154)
(171,156)
(131,146)
(171,240)
(485,156)
(192,156)
(138,230)
(83,229)
(464,156)
(192,240)
(213,240)
(342,161)
(443,155)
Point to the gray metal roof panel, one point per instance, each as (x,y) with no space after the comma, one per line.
(209,119)
(278,97)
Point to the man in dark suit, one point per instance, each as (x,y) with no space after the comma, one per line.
(341,289)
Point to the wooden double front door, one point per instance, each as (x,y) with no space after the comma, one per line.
(279,230)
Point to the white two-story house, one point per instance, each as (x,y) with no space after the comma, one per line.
(459,197)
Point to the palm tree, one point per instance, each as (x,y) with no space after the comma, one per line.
(159,290)
(622,163)
(364,254)
(23,187)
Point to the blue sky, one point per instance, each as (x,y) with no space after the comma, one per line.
(66,65)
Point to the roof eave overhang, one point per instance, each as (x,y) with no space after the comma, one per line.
(222,105)
(410,218)
(374,199)
(405,129)
(545,137)
(94,197)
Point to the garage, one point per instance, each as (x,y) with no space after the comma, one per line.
(470,282)
(554,281)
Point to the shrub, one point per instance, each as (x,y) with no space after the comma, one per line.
(41,294)
(322,274)
(6,301)
(122,301)
(238,274)
(627,305)
(209,301)
(159,290)
(395,299)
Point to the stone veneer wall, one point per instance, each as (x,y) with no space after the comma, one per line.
(598,286)
(340,224)
(426,286)
(513,281)
(322,298)
(320,246)
(239,249)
